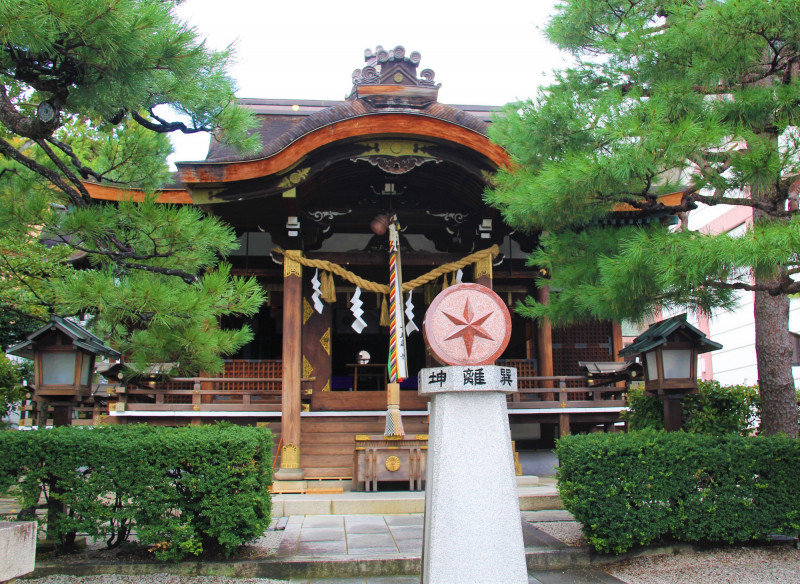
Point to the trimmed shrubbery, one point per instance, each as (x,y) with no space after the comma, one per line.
(715,409)
(185,491)
(644,487)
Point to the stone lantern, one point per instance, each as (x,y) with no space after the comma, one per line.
(63,355)
(669,351)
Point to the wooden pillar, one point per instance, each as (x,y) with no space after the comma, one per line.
(563,425)
(42,407)
(616,341)
(317,329)
(292,366)
(483,271)
(544,337)
(62,414)
(673,412)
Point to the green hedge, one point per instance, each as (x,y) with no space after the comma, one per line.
(644,487)
(185,490)
(715,409)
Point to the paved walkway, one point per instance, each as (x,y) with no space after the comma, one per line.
(547,577)
(352,535)
(393,537)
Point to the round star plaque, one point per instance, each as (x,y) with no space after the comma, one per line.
(467,324)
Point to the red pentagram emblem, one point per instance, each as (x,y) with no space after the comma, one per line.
(467,324)
(468,327)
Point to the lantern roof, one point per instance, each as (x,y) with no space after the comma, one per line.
(79,336)
(674,329)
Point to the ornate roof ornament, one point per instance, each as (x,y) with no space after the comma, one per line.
(392,75)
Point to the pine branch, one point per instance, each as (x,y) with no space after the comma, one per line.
(83,170)
(717,199)
(780,288)
(85,198)
(20,278)
(185,276)
(74,195)
(28,127)
(124,253)
(164,126)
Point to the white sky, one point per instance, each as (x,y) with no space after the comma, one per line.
(490,54)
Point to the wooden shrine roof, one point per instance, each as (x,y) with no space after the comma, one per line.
(280,129)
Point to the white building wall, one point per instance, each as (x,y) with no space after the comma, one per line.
(735,363)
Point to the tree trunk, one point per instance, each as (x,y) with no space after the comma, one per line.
(774,357)
(774,351)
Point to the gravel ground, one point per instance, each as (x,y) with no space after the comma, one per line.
(152,578)
(733,565)
(567,531)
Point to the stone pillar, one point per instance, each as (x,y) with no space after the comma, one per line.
(292,362)
(17,549)
(473,528)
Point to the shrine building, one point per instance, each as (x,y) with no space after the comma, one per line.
(311,210)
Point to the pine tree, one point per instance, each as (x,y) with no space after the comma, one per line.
(89,90)
(696,97)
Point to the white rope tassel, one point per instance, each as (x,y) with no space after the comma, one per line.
(410,326)
(315,297)
(355,307)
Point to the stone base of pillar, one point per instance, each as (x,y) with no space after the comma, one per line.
(289,474)
(473,527)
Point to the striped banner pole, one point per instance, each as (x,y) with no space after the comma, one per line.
(397,345)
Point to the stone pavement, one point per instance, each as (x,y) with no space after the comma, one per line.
(352,535)
(587,576)
(370,540)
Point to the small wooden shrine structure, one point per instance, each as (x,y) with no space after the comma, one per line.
(63,355)
(309,210)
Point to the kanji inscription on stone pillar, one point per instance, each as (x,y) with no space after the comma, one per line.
(467,324)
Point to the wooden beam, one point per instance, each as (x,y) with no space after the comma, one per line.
(108,193)
(382,259)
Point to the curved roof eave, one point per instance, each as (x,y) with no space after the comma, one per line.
(115,193)
(418,125)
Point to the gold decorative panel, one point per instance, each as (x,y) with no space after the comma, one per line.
(307,311)
(483,268)
(392,464)
(292,268)
(396,148)
(327,386)
(308,369)
(325,340)
(290,456)
(294,178)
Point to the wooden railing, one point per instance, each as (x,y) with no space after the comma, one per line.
(564,391)
(206,394)
(255,386)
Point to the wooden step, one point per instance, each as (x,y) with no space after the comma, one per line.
(334,472)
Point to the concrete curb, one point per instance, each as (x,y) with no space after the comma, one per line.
(300,567)
(656,550)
